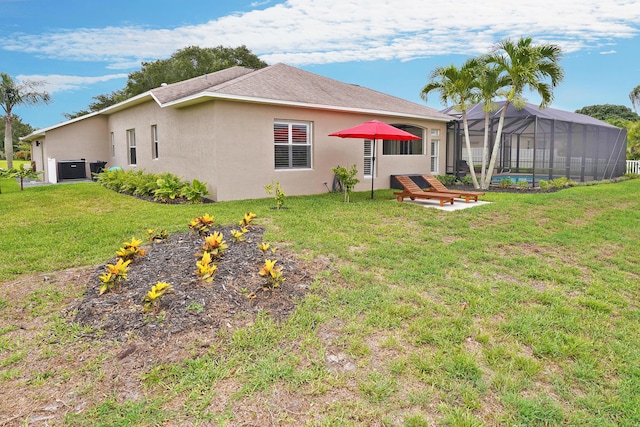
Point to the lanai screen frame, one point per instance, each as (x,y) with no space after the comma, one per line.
(545,143)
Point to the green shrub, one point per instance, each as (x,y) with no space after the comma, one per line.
(24,172)
(164,186)
(544,185)
(145,184)
(466,180)
(348,179)
(169,187)
(523,184)
(112,179)
(277,192)
(506,183)
(561,182)
(447,179)
(195,191)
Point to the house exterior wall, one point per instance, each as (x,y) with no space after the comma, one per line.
(185,141)
(230,145)
(245,150)
(84,139)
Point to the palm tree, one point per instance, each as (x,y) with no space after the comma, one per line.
(634,96)
(490,84)
(13,94)
(524,66)
(456,85)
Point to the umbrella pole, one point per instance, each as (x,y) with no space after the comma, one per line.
(373,164)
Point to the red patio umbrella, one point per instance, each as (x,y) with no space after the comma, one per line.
(373,130)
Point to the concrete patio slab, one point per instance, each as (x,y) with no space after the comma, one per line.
(457,205)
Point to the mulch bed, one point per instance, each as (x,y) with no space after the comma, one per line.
(236,295)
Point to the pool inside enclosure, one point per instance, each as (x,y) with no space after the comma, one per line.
(540,144)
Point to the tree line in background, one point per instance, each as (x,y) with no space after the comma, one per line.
(187,63)
(622,117)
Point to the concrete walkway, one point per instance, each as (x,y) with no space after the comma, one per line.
(37,183)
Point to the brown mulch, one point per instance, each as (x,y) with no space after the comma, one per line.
(194,304)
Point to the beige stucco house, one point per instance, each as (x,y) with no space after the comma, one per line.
(238,129)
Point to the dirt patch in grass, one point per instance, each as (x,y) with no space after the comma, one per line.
(97,347)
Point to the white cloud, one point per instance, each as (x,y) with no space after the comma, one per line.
(260,3)
(53,83)
(609,52)
(303,32)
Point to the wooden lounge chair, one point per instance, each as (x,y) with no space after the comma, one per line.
(438,187)
(413,191)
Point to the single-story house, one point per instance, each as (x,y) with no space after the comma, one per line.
(239,129)
(540,144)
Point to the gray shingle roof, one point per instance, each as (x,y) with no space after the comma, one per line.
(195,85)
(529,110)
(283,84)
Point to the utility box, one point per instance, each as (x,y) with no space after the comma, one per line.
(72,169)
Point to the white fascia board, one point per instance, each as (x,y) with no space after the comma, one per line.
(201,97)
(109,110)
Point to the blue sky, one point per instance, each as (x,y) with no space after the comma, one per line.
(84,48)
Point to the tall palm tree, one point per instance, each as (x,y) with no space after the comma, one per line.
(634,96)
(525,66)
(456,85)
(491,83)
(13,94)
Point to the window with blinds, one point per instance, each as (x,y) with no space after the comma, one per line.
(368,155)
(131,143)
(154,142)
(292,145)
(434,155)
(435,144)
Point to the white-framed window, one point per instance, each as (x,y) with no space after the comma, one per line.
(292,145)
(368,158)
(131,144)
(113,144)
(154,141)
(435,147)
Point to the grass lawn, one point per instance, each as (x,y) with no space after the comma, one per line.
(522,312)
(16,163)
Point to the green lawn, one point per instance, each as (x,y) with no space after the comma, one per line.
(522,312)
(16,163)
